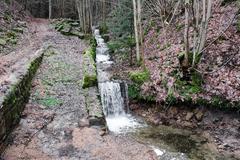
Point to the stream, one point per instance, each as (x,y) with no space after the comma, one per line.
(167,142)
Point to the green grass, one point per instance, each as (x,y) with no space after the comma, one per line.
(49,101)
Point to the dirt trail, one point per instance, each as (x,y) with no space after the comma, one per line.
(50,124)
(38,33)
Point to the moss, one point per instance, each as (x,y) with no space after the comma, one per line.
(15,100)
(12,41)
(91,53)
(133,91)
(140,77)
(3,42)
(89,81)
(11,34)
(69,27)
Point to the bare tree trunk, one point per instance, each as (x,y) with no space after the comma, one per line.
(136,31)
(50,9)
(185,62)
(139,12)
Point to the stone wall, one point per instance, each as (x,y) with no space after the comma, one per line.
(12,102)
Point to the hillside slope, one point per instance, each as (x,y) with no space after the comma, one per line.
(13,26)
(217,78)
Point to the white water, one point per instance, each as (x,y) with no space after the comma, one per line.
(114,98)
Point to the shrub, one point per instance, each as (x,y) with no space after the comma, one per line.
(140,77)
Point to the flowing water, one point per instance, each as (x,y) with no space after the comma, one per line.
(167,142)
(114,95)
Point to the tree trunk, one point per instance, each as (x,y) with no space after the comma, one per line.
(50,9)
(136,31)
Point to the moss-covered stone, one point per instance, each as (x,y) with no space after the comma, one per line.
(69,27)
(18,30)
(3,42)
(89,81)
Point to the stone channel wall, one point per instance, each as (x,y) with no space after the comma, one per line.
(13,100)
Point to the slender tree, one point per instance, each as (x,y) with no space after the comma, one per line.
(50,9)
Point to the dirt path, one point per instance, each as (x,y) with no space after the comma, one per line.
(38,33)
(50,124)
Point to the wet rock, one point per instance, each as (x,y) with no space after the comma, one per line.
(84,122)
(189,116)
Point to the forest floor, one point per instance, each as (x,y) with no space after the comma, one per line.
(53,124)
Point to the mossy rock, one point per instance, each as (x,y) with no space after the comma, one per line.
(18,30)
(12,40)
(11,34)
(3,42)
(89,81)
(77,33)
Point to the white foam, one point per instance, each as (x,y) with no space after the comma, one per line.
(102,58)
(158,151)
(122,123)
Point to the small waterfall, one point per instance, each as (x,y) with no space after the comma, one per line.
(114,94)
(112,99)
